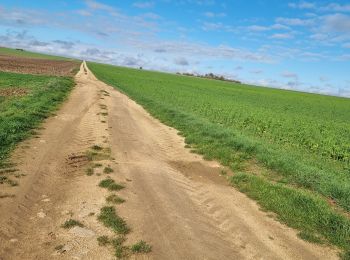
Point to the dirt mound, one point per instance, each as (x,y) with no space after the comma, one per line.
(37,66)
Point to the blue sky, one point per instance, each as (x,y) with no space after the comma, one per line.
(299,45)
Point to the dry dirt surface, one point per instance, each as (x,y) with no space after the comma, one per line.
(175,200)
(37,66)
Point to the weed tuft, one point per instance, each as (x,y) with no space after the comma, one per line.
(115,199)
(103,240)
(89,171)
(97,148)
(109,218)
(141,247)
(110,185)
(71,223)
(108,170)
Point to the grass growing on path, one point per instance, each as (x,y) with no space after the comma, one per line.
(110,219)
(299,142)
(19,114)
(72,223)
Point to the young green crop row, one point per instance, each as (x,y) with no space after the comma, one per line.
(301,142)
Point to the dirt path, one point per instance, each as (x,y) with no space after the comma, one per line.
(175,201)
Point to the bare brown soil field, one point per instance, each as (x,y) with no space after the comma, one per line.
(37,66)
(174,200)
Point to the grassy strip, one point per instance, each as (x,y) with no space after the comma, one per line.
(19,115)
(299,209)
(230,147)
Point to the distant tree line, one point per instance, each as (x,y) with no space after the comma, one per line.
(210,76)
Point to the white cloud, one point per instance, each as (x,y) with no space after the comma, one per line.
(99,6)
(302,5)
(331,7)
(288,74)
(83,12)
(181,61)
(143,4)
(282,36)
(258,28)
(213,15)
(294,21)
(337,23)
(335,7)
(257,71)
(323,78)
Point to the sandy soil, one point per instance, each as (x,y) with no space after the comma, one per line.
(37,66)
(175,200)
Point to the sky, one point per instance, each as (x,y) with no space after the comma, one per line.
(297,45)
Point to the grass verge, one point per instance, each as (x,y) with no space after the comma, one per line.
(19,115)
(299,209)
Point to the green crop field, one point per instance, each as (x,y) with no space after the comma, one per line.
(28,54)
(25,100)
(288,150)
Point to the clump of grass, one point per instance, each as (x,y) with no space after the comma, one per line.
(115,199)
(108,170)
(3,179)
(110,219)
(104,113)
(12,182)
(116,187)
(72,223)
(97,165)
(141,247)
(307,236)
(110,185)
(98,155)
(223,172)
(120,250)
(106,183)
(59,247)
(89,171)
(97,148)
(103,240)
